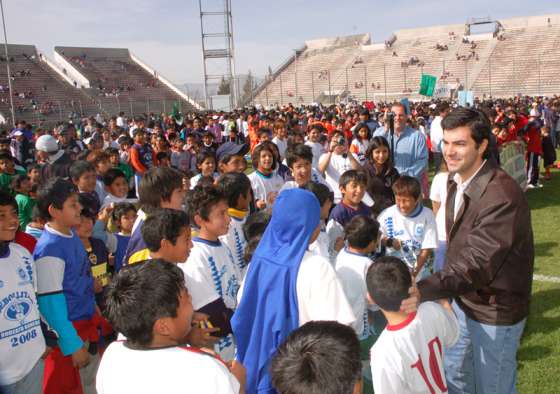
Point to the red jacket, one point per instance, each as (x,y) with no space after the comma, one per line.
(533,139)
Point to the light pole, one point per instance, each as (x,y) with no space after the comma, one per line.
(8,65)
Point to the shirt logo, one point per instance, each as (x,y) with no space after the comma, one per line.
(419,230)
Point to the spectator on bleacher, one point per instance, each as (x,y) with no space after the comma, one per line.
(56,161)
(410,152)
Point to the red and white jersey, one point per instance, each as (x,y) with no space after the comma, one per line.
(169,370)
(408,357)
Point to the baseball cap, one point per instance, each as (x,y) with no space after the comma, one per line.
(231,149)
(46,143)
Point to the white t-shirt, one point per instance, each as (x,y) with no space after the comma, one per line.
(436,134)
(264,185)
(21,339)
(317,150)
(282,146)
(438,192)
(408,358)
(338,165)
(236,242)
(315,177)
(321,245)
(169,370)
(211,273)
(351,269)
(319,292)
(359,147)
(415,233)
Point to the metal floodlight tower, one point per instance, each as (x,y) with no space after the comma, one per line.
(216,28)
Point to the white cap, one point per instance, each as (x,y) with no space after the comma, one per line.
(46,143)
(17,133)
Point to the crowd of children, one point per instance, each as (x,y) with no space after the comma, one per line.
(288,279)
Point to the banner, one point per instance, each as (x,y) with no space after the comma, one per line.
(442,91)
(427,85)
(466,97)
(512,161)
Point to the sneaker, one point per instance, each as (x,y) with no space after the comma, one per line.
(539,185)
(531,186)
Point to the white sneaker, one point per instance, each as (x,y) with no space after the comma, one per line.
(530,186)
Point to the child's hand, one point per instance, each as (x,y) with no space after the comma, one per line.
(105,213)
(338,244)
(97,286)
(260,204)
(200,337)
(238,370)
(271,198)
(80,358)
(396,244)
(446,305)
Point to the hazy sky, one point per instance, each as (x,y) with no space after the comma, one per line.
(166,33)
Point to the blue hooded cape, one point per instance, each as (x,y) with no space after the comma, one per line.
(268,311)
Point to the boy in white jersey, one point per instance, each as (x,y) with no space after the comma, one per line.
(211,274)
(21,341)
(326,198)
(352,263)
(408,356)
(237,189)
(149,304)
(409,228)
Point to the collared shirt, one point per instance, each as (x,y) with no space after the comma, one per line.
(461,187)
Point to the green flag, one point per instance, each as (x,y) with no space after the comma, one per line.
(427,85)
(176,114)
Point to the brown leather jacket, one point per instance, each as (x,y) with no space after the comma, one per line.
(490,254)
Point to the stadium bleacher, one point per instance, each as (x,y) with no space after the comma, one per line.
(523,59)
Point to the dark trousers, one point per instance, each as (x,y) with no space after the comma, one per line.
(532,168)
(438,157)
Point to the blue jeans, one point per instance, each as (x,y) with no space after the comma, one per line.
(32,383)
(484,358)
(439,255)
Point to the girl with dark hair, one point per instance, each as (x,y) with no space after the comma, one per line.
(381,174)
(359,145)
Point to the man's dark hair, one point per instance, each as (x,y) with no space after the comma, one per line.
(164,223)
(201,199)
(360,231)
(297,152)
(322,192)
(157,185)
(256,223)
(319,357)
(407,186)
(7,199)
(112,175)
(388,281)
(140,294)
(233,185)
(79,168)
(55,192)
(352,176)
(475,120)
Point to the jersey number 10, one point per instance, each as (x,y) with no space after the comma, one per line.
(434,367)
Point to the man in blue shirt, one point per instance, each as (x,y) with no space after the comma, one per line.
(409,145)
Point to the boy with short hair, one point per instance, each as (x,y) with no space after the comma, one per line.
(82,174)
(150,305)
(116,188)
(101,163)
(409,228)
(299,159)
(7,171)
(167,234)
(142,156)
(352,186)
(21,185)
(236,187)
(124,215)
(313,142)
(22,343)
(319,357)
(161,187)
(65,290)
(408,356)
(231,157)
(211,272)
(116,162)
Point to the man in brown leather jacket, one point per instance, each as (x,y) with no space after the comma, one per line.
(489,262)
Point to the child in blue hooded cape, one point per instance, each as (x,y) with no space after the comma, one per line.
(286,285)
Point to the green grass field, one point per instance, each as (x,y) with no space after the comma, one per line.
(539,355)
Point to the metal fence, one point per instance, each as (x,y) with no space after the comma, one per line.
(495,76)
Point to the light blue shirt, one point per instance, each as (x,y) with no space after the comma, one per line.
(411,151)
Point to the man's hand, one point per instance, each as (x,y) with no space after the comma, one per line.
(238,370)
(338,244)
(410,304)
(80,358)
(260,204)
